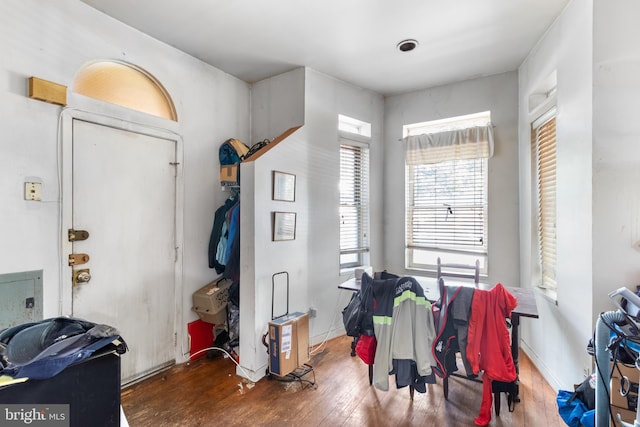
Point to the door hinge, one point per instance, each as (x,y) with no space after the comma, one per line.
(175,339)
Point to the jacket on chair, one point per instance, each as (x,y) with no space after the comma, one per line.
(489,344)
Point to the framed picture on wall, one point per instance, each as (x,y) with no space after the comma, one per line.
(284,226)
(284,186)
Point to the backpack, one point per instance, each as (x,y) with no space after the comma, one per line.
(357,315)
(230,154)
(256,147)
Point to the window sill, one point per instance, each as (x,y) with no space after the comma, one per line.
(549,294)
(349,271)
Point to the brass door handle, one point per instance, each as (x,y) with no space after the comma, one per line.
(81,276)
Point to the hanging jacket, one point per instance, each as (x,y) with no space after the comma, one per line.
(216,233)
(489,344)
(451,315)
(403,327)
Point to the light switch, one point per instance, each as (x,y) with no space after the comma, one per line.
(33,191)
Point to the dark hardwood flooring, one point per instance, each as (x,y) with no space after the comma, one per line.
(207,392)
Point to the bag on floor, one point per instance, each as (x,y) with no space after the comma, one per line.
(570,408)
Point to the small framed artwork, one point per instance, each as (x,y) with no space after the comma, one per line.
(284,226)
(284,186)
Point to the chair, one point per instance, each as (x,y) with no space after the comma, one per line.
(457,271)
(472,272)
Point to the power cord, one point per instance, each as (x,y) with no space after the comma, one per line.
(233,359)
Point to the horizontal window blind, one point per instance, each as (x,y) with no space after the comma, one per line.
(447,205)
(354,202)
(545,155)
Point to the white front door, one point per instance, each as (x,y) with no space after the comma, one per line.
(124,196)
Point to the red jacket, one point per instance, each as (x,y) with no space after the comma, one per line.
(489,344)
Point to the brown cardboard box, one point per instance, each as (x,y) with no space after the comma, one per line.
(626,415)
(210,301)
(630,383)
(288,343)
(229,175)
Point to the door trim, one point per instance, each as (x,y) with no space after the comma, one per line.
(146,125)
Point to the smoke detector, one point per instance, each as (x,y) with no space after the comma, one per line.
(407,45)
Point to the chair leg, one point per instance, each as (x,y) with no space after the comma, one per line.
(445,387)
(411,390)
(496,402)
(370,374)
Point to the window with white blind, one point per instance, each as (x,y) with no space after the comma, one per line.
(543,144)
(354,204)
(446,191)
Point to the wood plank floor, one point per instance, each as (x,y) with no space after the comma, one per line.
(207,392)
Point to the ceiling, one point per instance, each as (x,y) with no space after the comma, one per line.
(352,40)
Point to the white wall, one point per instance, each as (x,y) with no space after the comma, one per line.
(616,149)
(326,98)
(496,93)
(557,340)
(312,154)
(53,40)
(277,104)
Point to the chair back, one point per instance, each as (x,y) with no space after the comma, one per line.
(459,271)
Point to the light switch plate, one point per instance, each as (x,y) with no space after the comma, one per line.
(33,191)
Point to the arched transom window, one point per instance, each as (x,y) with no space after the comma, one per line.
(125,85)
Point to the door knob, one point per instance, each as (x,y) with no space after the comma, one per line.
(81,276)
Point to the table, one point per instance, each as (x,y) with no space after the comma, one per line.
(526,308)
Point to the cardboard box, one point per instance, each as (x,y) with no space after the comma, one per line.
(626,415)
(288,343)
(230,175)
(630,401)
(210,301)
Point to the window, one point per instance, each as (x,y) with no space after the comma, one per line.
(125,85)
(543,147)
(354,205)
(446,191)
(351,127)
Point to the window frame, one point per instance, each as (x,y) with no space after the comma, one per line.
(361,250)
(544,202)
(423,256)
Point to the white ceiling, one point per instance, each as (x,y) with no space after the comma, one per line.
(352,40)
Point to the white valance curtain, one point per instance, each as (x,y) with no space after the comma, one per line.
(458,144)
